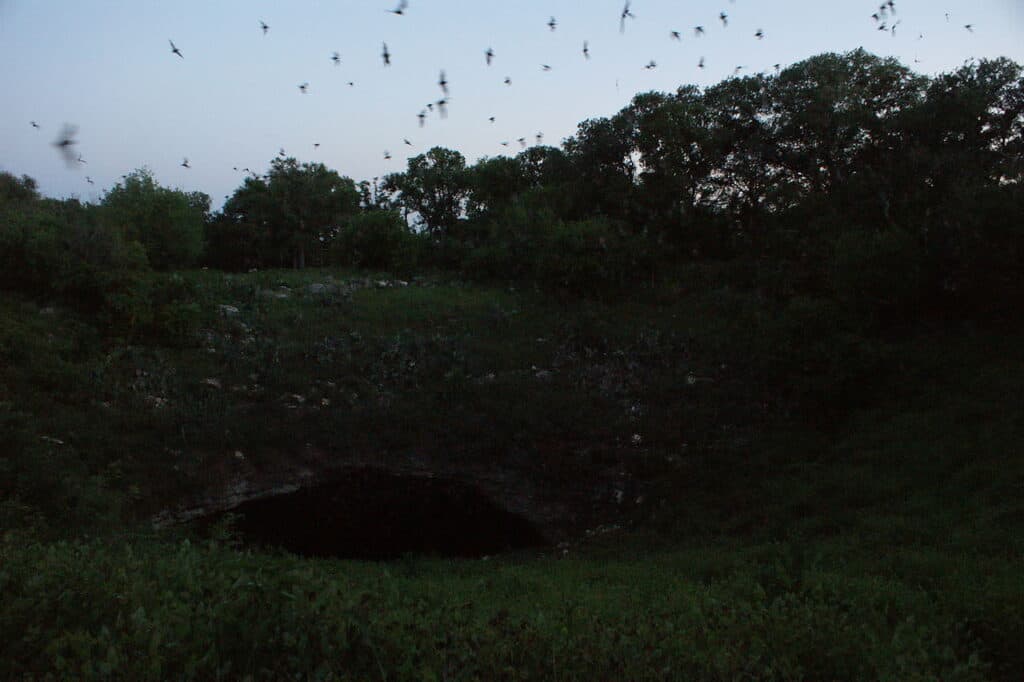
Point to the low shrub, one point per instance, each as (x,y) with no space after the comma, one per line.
(376,240)
(235,246)
(879,271)
(591,257)
(146,610)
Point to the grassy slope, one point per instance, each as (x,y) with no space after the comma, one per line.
(884,543)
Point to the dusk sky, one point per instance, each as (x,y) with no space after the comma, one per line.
(106,66)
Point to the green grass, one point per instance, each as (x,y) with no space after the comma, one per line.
(154,611)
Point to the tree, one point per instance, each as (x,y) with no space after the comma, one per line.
(542,166)
(965,198)
(975,118)
(168,223)
(673,142)
(373,196)
(748,180)
(296,209)
(13,188)
(238,238)
(603,153)
(435,186)
(494,182)
(52,247)
(831,107)
(309,202)
(540,176)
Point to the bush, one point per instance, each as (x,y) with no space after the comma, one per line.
(50,490)
(54,249)
(235,246)
(587,258)
(507,246)
(177,314)
(14,189)
(377,240)
(590,258)
(979,244)
(878,271)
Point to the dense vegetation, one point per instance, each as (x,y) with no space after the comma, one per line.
(850,172)
(785,308)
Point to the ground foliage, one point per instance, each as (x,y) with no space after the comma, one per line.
(145,610)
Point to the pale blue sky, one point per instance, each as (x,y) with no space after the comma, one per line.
(106,66)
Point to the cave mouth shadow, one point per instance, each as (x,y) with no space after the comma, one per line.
(375,515)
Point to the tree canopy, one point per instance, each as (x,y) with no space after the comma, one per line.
(294,209)
(435,187)
(167,222)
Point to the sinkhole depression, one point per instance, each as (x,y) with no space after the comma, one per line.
(376,515)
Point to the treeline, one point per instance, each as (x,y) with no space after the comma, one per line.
(844,175)
(848,174)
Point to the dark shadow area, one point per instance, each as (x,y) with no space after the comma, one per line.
(374,515)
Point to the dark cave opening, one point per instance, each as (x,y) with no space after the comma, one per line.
(375,515)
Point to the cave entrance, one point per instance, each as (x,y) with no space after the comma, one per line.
(370,514)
